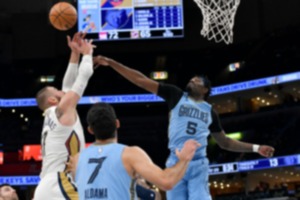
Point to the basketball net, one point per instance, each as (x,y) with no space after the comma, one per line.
(218,19)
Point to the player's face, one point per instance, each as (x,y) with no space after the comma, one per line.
(8,192)
(56,93)
(195,87)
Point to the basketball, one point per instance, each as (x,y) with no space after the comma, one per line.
(63,16)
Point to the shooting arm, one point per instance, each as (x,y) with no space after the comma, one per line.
(71,72)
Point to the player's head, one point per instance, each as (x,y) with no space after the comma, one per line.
(102,121)
(48,96)
(8,193)
(199,86)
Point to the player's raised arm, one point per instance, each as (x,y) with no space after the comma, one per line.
(72,69)
(166,179)
(130,74)
(66,110)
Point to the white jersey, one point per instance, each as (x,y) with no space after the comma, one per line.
(59,142)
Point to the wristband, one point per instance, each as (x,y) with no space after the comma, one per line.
(255,147)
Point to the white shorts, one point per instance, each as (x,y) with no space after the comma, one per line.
(56,186)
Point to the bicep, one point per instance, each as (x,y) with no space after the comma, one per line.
(149,85)
(215,126)
(170,93)
(67,108)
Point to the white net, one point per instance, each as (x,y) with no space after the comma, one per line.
(218,19)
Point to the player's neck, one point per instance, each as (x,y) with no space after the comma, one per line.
(196,98)
(104,142)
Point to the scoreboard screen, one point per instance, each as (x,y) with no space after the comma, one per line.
(106,20)
(260,164)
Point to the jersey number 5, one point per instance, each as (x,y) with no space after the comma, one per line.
(191,128)
(99,162)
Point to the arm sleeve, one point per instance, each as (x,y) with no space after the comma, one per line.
(70,77)
(216,124)
(170,93)
(85,71)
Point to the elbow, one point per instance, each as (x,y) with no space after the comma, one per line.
(167,185)
(225,144)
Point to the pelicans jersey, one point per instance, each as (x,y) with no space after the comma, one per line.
(100,174)
(58,143)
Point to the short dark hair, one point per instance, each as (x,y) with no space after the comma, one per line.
(101,118)
(207,84)
(41,97)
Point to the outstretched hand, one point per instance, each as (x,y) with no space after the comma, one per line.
(100,60)
(188,150)
(86,47)
(266,151)
(76,41)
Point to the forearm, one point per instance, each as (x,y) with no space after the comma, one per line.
(74,58)
(237,146)
(85,72)
(71,72)
(132,75)
(175,174)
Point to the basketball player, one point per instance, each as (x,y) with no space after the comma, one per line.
(191,117)
(8,193)
(62,133)
(107,169)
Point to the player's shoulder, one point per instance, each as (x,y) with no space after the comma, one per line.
(133,151)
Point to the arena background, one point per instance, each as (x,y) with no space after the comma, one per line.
(266,43)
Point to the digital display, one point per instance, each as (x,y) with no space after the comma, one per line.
(34,152)
(130,19)
(244,166)
(1,157)
(151,98)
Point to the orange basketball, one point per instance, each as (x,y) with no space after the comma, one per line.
(63,16)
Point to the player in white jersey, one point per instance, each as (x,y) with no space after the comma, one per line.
(62,133)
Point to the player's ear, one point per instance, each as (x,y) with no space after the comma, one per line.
(118,124)
(205,90)
(52,100)
(90,130)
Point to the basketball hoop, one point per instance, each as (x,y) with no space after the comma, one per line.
(218,19)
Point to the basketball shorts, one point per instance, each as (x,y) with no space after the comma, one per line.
(194,185)
(56,186)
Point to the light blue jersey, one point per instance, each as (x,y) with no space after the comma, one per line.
(189,120)
(101,174)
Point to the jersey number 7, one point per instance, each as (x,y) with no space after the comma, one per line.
(99,162)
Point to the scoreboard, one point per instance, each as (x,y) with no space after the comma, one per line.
(260,164)
(130,19)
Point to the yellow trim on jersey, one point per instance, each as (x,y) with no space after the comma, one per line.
(67,188)
(73,144)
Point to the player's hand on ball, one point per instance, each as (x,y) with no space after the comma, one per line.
(266,151)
